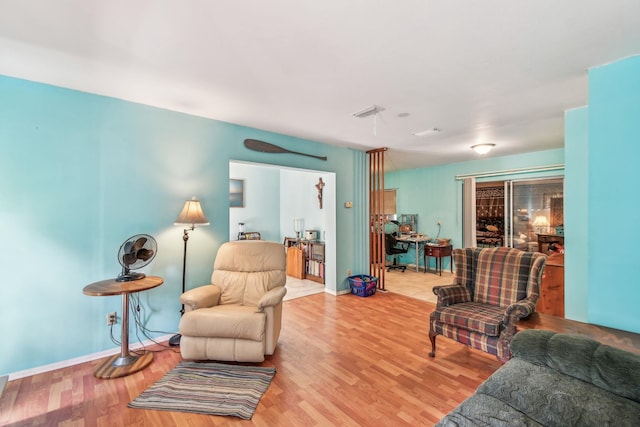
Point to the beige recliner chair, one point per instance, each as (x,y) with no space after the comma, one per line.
(237,317)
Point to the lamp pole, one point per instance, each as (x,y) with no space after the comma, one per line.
(185,237)
(175,340)
(190,215)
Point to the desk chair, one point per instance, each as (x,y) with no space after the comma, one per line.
(394,248)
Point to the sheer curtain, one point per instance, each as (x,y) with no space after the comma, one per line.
(469,213)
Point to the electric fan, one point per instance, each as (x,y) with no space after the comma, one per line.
(136,252)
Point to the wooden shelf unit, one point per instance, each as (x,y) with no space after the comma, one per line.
(308,259)
(490,215)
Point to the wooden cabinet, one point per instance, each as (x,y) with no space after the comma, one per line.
(307,259)
(551,299)
(295,262)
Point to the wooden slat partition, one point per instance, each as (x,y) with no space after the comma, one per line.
(377,258)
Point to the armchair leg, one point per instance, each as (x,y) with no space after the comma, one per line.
(432,338)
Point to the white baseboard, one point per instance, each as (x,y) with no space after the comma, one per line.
(83,359)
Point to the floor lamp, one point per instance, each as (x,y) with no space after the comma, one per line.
(191,215)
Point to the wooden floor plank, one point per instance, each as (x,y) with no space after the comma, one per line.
(340,361)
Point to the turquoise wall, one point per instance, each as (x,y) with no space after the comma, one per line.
(614,202)
(80,173)
(576,214)
(261,211)
(435,194)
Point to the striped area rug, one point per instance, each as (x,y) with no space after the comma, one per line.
(208,388)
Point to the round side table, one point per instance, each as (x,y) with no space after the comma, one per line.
(124,363)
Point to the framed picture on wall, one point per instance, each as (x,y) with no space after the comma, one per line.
(236,193)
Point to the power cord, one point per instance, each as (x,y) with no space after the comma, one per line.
(137,310)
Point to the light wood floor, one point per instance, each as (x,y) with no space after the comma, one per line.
(420,285)
(416,284)
(344,360)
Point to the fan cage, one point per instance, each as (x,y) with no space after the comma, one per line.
(136,252)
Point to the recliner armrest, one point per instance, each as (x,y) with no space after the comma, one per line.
(272,298)
(452,294)
(201,297)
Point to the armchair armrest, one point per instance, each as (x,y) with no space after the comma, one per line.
(518,310)
(272,298)
(201,297)
(452,294)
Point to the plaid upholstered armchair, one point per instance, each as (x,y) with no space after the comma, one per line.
(493,289)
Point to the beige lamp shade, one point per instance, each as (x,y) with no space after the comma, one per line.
(541,221)
(192,214)
(541,224)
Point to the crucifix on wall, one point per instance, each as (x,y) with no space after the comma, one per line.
(320,186)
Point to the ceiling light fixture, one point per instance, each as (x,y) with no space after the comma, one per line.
(482,149)
(373,109)
(427,132)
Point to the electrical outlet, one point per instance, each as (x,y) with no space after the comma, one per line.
(112,318)
(349,272)
(438,222)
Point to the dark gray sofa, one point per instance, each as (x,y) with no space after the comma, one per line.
(556,380)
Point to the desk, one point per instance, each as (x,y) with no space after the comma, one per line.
(548,239)
(417,241)
(125,363)
(438,252)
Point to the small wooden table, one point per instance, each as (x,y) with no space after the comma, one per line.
(438,252)
(551,299)
(124,363)
(548,239)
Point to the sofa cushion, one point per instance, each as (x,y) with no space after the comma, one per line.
(484,410)
(554,399)
(556,380)
(607,367)
(483,318)
(224,321)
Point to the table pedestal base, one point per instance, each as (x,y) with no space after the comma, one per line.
(117,366)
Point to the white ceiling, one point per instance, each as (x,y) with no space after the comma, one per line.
(499,71)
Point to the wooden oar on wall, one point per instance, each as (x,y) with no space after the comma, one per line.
(265,147)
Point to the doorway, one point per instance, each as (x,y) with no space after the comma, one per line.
(274,197)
